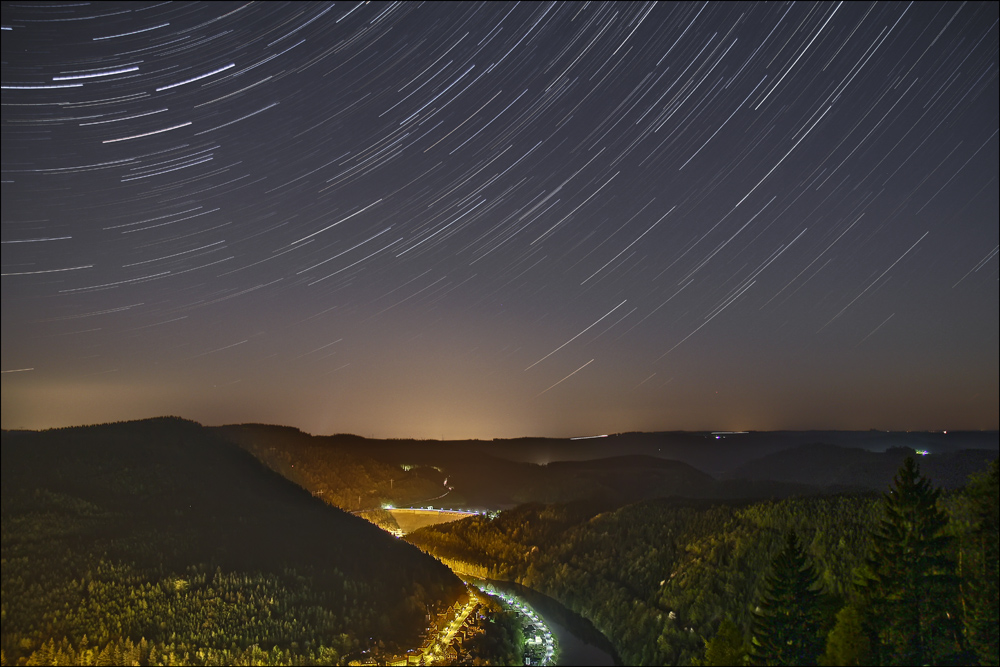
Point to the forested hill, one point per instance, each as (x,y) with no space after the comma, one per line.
(356,473)
(343,469)
(159,540)
(656,577)
(660,578)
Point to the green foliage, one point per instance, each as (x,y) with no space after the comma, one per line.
(912,586)
(656,577)
(726,648)
(659,576)
(127,652)
(787,618)
(975,529)
(982,587)
(501,641)
(847,643)
(220,612)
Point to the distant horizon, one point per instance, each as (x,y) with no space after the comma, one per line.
(721,432)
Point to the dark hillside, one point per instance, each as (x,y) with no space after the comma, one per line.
(834,466)
(342,469)
(355,473)
(630,478)
(162,530)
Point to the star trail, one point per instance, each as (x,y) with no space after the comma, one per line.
(490,219)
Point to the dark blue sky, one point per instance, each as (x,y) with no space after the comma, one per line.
(500,219)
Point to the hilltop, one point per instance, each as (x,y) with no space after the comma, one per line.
(159,537)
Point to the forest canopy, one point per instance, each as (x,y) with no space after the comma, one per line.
(663,578)
(159,542)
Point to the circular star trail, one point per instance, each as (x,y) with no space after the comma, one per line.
(491,219)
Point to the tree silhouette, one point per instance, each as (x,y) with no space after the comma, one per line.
(912,583)
(786,622)
(980,545)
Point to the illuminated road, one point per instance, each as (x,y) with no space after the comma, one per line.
(541,640)
(446,636)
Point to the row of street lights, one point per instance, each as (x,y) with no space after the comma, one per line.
(545,635)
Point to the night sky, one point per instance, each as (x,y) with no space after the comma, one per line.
(490,220)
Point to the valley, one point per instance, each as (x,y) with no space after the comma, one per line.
(168,541)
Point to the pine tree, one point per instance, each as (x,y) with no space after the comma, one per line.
(912,587)
(786,622)
(847,643)
(980,538)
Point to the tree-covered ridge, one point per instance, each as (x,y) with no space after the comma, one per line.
(190,617)
(338,469)
(356,473)
(656,577)
(659,577)
(161,540)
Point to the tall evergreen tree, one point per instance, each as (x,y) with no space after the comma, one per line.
(979,535)
(786,622)
(912,586)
